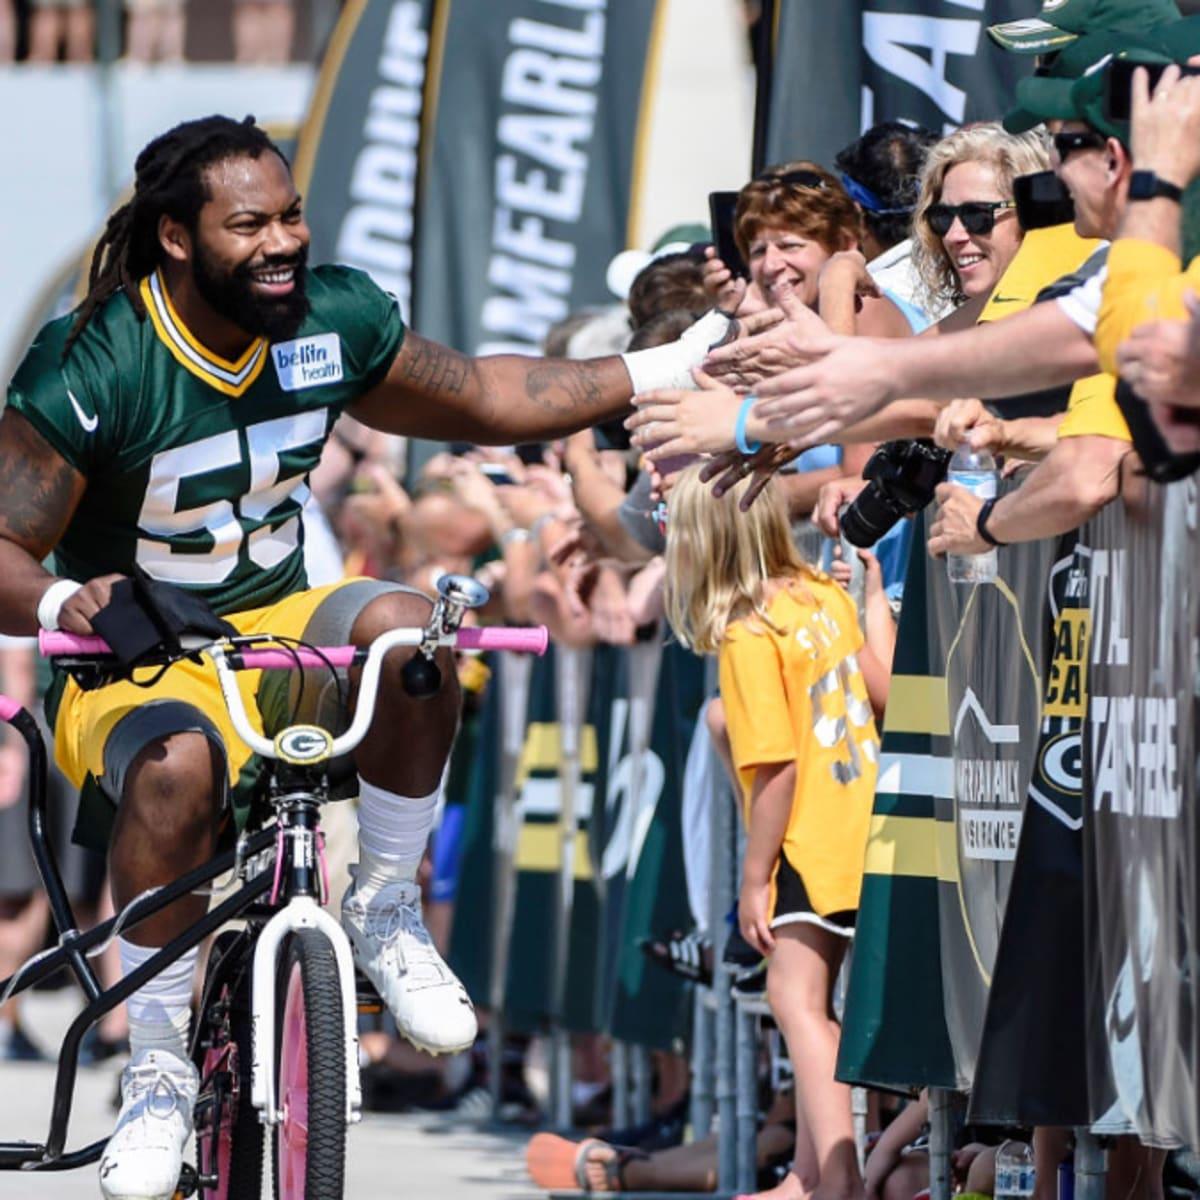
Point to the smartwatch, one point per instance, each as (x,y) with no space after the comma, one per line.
(1145,185)
(981,524)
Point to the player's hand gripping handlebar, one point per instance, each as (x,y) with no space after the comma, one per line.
(456,595)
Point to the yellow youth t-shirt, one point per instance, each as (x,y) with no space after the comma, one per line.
(796,693)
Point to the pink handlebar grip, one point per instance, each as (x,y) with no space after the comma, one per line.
(8,708)
(531,639)
(54,641)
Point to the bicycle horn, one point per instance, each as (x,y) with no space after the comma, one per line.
(421,676)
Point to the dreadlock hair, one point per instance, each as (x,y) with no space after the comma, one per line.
(169,178)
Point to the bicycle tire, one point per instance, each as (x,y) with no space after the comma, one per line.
(310,1140)
(235,1147)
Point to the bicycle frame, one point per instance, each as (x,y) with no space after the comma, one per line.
(287,879)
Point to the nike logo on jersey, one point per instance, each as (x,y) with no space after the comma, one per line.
(308,362)
(89,423)
(1006,299)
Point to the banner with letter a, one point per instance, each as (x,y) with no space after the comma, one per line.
(534,136)
(357,160)
(841,68)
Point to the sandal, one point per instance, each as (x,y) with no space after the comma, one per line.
(559,1164)
(688,955)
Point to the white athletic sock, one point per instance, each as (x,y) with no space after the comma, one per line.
(392,834)
(160,1011)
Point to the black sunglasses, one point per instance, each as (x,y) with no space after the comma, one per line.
(808,179)
(977,216)
(1067,142)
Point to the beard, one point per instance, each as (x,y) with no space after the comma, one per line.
(232,294)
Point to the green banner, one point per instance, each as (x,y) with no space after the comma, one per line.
(647,1005)
(358,155)
(840,68)
(535,134)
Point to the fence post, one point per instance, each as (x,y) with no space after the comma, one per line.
(1091,1166)
(572,679)
(721,900)
(513,672)
(703,1047)
(942,1121)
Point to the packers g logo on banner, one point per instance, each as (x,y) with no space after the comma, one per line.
(303,745)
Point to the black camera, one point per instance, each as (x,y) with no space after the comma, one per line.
(901,479)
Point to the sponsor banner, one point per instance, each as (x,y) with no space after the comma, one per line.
(534,122)
(840,68)
(1031,1068)
(1140,831)
(963,714)
(894,1030)
(357,159)
(530,1003)
(647,1005)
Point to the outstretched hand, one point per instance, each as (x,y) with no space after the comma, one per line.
(794,335)
(730,468)
(670,422)
(846,380)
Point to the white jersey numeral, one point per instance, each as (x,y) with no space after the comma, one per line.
(217,523)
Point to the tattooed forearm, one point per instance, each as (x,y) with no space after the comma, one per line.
(38,489)
(564,387)
(435,368)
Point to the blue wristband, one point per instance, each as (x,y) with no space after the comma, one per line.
(739,428)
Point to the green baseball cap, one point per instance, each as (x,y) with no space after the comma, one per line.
(1060,22)
(1046,96)
(1173,43)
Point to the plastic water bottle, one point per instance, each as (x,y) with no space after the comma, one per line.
(974,470)
(1014,1171)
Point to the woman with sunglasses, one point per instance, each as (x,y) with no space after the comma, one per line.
(965,225)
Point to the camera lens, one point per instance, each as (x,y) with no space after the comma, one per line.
(869,517)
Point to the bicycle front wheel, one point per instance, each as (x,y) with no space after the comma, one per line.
(310,1141)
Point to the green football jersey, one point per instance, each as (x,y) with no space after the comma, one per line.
(196,466)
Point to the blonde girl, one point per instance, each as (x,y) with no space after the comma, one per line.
(799,686)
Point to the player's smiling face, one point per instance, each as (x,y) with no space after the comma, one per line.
(251,245)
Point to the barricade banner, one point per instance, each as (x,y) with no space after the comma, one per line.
(357,159)
(534,120)
(633,787)
(928,61)
(1032,1056)
(530,1002)
(472,938)
(894,1030)
(649,1006)
(963,713)
(1140,744)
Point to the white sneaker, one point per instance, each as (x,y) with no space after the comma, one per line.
(394,950)
(144,1156)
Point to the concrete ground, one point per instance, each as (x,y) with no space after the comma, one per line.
(409,1155)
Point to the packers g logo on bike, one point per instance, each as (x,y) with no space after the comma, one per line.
(302,744)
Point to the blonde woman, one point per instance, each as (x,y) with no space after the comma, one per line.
(965,226)
(800,687)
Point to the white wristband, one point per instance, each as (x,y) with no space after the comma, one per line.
(670,366)
(53,598)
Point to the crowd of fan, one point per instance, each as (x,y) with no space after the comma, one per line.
(894,294)
(51,31)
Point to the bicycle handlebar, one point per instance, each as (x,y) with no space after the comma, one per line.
(528,639)
(229,658)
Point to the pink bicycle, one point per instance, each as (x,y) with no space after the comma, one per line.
(276,1035)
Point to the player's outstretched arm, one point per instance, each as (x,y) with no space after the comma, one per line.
(434,392)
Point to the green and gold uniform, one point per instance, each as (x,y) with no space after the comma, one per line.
(197,466)
(196,472)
